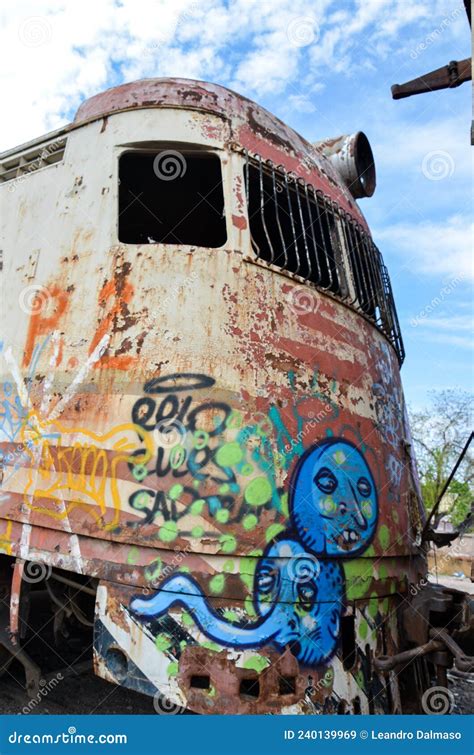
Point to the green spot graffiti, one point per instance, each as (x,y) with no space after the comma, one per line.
(273,531)
(229,455)
(162,642)
(198,506)
(249,609)
(358,576)
(197,531)
(256,663)
(139,472)
(175,492)
(373,606)
(258,491)
(141,501)
(201,439)
(177,456)
(168,532)
(217,584)
(153,570)
(172,669)
(249,522)
(133,556)
(384,536)
(228,543)
(230,615)
(211,646)
(222,516)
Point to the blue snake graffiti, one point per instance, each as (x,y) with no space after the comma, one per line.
(297,597)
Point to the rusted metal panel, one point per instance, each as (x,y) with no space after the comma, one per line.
(166,410)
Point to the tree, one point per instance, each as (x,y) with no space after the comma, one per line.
(439,434)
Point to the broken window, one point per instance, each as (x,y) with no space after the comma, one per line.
(171,197)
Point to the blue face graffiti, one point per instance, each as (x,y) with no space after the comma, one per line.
(333,499)
(298,600)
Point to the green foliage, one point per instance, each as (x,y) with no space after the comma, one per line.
(439,434)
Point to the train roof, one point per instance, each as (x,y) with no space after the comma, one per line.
(252,127)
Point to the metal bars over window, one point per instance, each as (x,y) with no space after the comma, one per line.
(298,228)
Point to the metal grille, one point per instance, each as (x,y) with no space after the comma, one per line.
(298,228)
(20,165)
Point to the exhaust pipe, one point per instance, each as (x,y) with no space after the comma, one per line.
(351,155)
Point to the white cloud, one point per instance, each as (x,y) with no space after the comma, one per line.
(58,52)
(433,248)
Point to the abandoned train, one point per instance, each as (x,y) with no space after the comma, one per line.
(206,462)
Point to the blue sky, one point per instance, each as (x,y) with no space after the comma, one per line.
(324,67)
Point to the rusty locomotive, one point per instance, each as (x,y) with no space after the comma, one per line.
(206,460)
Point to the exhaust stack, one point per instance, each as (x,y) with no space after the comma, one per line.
(351,155)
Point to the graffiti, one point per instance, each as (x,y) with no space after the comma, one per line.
(80,464)
(333,499)
(212,462)
(298,600)
(12,413)
(302,613)
(6,537)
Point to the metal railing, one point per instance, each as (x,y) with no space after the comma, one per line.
(300,229)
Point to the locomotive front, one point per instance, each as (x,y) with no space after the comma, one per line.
(202,403)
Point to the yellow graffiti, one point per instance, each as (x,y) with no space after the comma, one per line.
(6,538)
(79,471)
